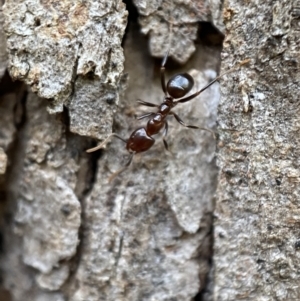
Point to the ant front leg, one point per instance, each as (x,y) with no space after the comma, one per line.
(147,104)
(145,116)
(191,126)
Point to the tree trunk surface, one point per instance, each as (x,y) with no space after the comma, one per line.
(67,233)
(256,239)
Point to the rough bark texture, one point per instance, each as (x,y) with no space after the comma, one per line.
(153,222)
(42,185)
(257,215)
(54,47)
(3,54)
(174,24)
(68,233)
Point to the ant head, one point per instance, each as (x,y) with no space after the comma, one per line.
(179,85)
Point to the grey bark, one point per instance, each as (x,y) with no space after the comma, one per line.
(3,63)
(174,24)
(3,53)
(71,235)
(257,214)
(53,47)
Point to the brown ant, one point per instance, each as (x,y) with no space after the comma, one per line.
(141,139)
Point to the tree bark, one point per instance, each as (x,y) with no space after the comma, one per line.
(69,234)
(256,240)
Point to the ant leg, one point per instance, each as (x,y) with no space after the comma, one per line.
(164,140)
(162,73)
(115,174)
(182,122)
(147,104)
(101,145)
(188,98)
(191,126)
(144,116)
(164,135)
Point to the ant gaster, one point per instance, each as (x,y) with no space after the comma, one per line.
(177,87)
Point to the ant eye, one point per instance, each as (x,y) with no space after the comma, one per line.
(179,85)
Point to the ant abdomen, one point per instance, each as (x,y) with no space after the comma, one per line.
(139,141)
(179,85)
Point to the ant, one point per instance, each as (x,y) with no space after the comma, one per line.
(176,88)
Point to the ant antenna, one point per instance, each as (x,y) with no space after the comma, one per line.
(170,34)
(226,72)
(212,82)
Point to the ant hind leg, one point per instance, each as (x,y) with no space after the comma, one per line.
(115,174)
(103,144)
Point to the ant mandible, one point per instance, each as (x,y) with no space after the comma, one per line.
(177,87)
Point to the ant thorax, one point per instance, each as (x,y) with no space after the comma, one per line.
(165,108)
